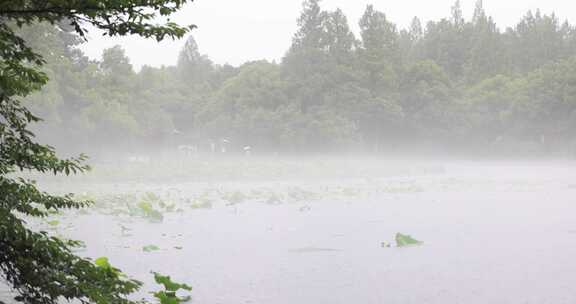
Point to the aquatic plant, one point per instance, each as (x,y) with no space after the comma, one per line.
(150,248)
(53,223)
(171,288)
(403,240)
(234,197)
(299,194)
(147,210)
(201,203)
(274,199)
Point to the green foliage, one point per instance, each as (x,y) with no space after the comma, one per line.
(53,223)
(379,53)
(115,18)
(403,240)
(439,85)
(201,203)
(169,294)
(234,198)
(41,268)
(387,89)
(146,207)
(150,248)
(104,263)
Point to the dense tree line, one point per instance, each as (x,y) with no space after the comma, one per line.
(454,84)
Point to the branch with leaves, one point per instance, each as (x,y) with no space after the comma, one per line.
(40,268)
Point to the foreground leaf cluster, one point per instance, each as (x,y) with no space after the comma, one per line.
(40,268)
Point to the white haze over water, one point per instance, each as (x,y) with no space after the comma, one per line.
(238,31)
(493,232)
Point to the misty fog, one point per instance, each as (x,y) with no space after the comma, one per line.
(373,163)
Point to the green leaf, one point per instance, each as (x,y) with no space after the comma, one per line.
(169,285)
(403,240)
(38,267)
(166,298)
(150,248)
(103,262)
(53,223)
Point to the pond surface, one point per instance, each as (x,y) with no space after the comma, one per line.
(492,233)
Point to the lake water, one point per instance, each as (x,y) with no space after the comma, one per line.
(492,233)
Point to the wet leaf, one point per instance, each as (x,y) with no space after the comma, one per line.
(53,223)
(403,240)
(150,248)
(102,262)
(170,285)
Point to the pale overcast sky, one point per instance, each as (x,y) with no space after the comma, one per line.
(233,31)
